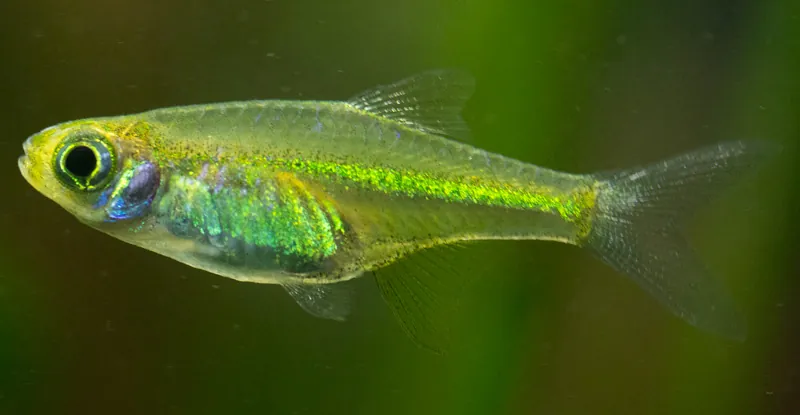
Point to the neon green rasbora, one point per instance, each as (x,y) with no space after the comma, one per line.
(307,194)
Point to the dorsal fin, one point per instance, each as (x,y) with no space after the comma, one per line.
(430,101)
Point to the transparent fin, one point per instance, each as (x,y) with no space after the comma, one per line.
(423,291)
(330,301)
(635,230)
(431,102)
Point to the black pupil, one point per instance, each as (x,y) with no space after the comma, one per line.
(81,161)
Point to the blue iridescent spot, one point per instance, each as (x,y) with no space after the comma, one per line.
(133,200)
(102,200)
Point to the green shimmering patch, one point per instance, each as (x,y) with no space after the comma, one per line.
(336,220)
(276,212)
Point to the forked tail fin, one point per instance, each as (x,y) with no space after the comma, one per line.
(635,230)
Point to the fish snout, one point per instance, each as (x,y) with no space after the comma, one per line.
(24,161)
(27,145)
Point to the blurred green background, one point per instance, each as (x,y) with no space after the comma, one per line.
(91,325)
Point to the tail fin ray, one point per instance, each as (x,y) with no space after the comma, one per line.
(635,230)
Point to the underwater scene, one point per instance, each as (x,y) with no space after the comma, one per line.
(422,207)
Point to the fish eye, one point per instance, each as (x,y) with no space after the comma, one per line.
(84,161)
(80,161)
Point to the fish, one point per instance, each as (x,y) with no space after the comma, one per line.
(310,194)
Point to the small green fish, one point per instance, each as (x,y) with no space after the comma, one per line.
(308,194)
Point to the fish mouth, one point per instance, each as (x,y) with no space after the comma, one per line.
(26,146)
(23,162)
(28,171)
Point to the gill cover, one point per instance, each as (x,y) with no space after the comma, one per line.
(133,193)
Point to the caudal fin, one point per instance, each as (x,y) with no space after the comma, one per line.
(635,230)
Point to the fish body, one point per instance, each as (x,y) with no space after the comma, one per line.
(307,194)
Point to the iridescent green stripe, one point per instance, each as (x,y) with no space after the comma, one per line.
(571,206)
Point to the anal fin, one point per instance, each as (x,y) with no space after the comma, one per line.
(423,292)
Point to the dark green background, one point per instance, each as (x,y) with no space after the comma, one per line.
(91,325)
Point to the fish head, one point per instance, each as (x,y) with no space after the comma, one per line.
(99,171)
